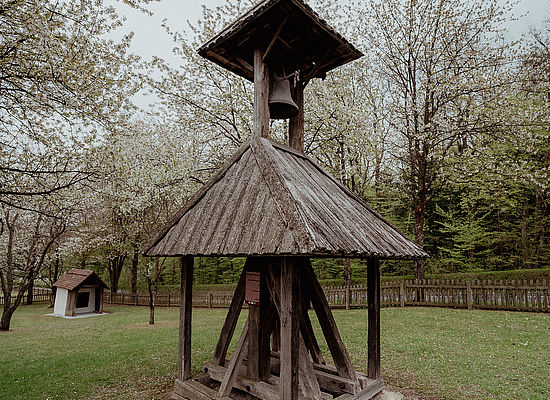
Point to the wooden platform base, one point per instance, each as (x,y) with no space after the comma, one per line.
(205,386)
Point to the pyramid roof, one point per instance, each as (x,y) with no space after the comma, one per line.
(294,32)
(269,199)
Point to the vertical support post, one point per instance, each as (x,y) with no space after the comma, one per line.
(261,94)
(296,123)
(259,328)
(290,329)
(184,342)
(373,297)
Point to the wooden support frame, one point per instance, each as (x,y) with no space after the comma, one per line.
(184,342)
(231,319)
(235,363)
(335,344)
(373,306)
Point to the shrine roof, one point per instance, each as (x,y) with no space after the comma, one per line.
(79,277)
(269,199)
(302,39)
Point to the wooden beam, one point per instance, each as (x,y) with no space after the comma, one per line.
(261,95)
(290,328)
(231,319)
(274,39)
(184,342)
(373,306)
(235,363)
(307,331)
(337,349)
(296,123)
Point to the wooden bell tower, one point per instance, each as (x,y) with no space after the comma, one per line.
(276,206)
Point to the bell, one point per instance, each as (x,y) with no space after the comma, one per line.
(281,105)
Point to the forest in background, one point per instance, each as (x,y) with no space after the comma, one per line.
(443,127)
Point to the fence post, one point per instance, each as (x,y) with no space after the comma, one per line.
(210,300)
(469,293)
(168,301)
(402,293)
(122,300)
(110,297)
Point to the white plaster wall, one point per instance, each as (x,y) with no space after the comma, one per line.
(91,303)
(60,301)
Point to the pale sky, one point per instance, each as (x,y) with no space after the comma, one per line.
(151,39)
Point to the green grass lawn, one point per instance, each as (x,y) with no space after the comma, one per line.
(436,353)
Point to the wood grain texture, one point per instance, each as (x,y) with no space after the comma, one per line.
(290,329)
(373,293)
(261,94)
(273,200)
(296,123)
(184,338)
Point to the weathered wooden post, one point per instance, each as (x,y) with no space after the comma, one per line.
(184,340)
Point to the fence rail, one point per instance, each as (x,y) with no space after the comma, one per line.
(519,295)
(481,294)
(39,295)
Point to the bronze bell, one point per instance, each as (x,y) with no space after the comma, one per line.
(281,105)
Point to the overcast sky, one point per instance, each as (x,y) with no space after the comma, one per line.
(151,39)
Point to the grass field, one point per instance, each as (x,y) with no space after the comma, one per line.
(428,352)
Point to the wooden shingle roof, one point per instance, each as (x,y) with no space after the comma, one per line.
(78,277)
(291,31)
(272,200)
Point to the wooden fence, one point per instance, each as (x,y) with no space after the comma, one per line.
(481,294)
(40,295)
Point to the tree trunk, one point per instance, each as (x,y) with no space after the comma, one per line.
(52,297)
(5,320)
(152,296)
(30,294)
(347,279)
(524,235)
(116,263)
(134,270)
(419,218)
(539,227)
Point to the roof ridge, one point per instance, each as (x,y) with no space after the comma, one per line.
(281,194)
(197,196)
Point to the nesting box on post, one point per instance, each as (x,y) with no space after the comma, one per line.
(274,205)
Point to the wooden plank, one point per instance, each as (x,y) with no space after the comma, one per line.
(326,375)
(370,391)
(290,328)
(231,319)
(261,95)
(235,363)
(373,293)
(193,390)
(184,339)
(308,380)
(328,324)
